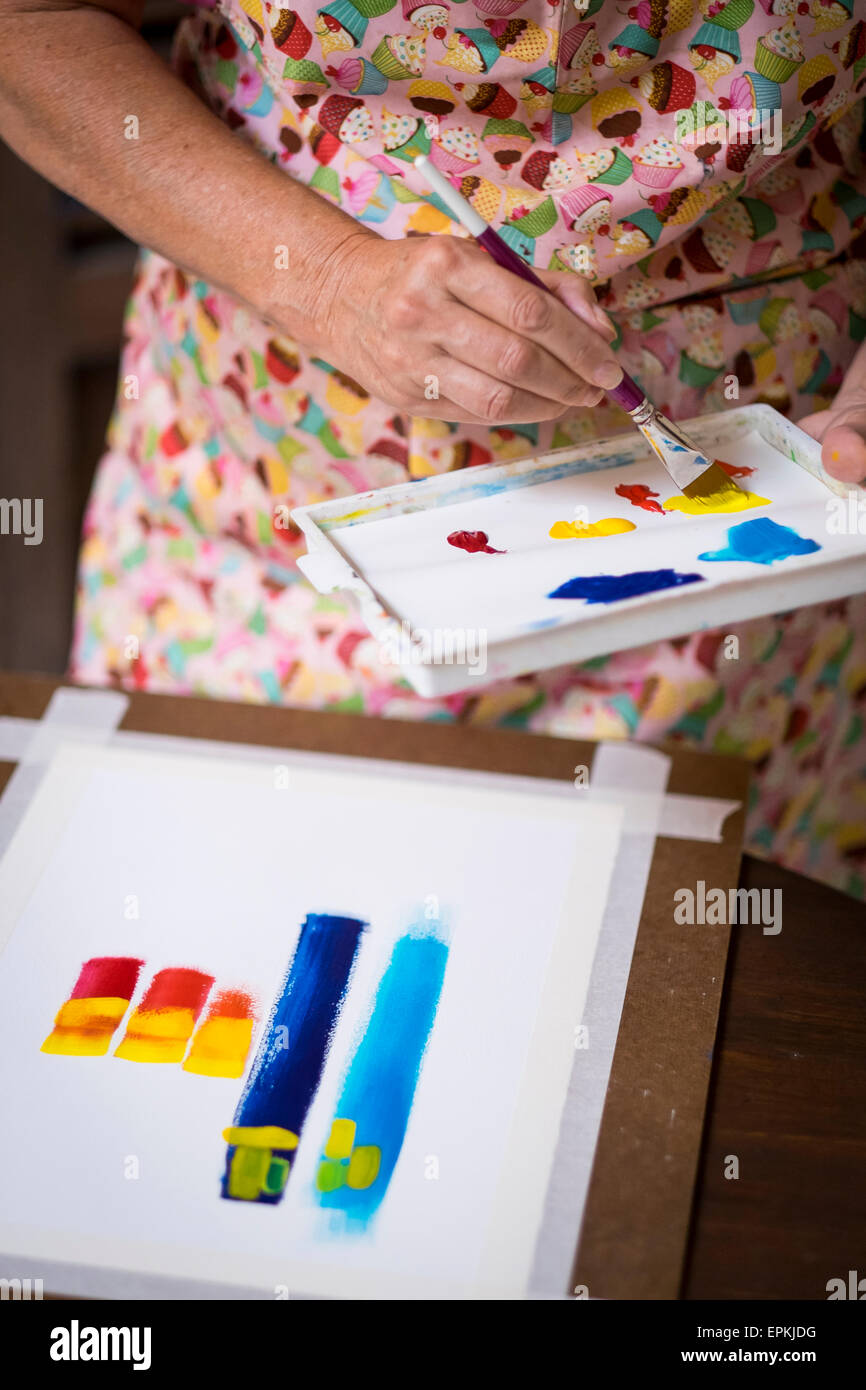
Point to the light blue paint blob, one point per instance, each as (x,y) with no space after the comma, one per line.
(379,1088)
(762,541)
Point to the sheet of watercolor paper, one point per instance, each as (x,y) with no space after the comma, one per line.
(290,1030)
(492,565)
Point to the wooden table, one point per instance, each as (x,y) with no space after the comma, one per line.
(788,1093)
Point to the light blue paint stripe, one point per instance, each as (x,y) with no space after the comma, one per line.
(380,1084)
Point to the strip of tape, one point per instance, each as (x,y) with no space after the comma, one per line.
(618,776)
(81,716)
(645,772)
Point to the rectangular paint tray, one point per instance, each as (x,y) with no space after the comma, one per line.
(450,620)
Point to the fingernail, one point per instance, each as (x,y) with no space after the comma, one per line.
(603,321)
(609,375)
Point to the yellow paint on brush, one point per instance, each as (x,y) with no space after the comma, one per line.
(584,530)
(157,1035)
(732,499)
(220,1047)
(714,491)
(84,1027)
(260,1137)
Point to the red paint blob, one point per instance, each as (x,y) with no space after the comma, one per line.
(177,989)
(639,495)
(107,977)
(733,470)
(475,542)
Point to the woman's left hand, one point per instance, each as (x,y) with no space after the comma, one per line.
(841,429)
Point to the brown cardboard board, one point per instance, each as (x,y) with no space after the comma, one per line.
(633,1240)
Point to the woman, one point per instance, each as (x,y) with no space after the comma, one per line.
(689,179)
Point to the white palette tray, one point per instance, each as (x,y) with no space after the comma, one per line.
(435,608)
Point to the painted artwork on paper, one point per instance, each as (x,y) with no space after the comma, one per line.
(160,1028)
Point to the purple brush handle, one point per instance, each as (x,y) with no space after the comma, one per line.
(628,394)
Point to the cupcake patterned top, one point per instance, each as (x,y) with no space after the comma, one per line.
(673,111)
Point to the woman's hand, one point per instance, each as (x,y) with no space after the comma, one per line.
(841,429)
(435,327)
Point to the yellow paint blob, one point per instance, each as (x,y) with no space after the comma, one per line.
(220,1047)
(157,1035)
(584,530)
(260,1137)
(341,1139)
(364,1166)
(732,499)
(84,1027)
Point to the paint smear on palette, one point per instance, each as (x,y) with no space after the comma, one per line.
(733,500)
(734,470)
(86,1023)
(763,542)
(584,530)
(610,588)
(474,542)
(288,1065)
(640,496)
(221,1044)
(161,1026)
(373,1111)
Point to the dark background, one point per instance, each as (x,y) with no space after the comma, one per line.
(64,278)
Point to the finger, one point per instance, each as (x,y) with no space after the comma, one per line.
(534,313)
(843,453)
(492,402)
(480,342)
(577,294)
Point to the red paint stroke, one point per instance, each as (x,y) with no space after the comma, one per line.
(177,989)
(107,977)
(639,495)
(232,1003)
(734,470)
(475,542)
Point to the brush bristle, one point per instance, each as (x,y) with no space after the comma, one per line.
(713,489)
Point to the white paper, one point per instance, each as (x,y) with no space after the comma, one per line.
(433,586)
(225,867)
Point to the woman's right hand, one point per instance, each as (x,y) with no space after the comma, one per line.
(434,327)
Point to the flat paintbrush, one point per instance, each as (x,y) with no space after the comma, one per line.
(702,480)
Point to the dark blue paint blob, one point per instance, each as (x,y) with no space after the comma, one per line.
(762,541)
(288,1065)
(608,588)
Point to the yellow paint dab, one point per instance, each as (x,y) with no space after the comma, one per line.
(157,1035)
(260,1137)
(731,500)
(364,1166)
(220,1047)
(341,1139)
(84,1027)
(584,530)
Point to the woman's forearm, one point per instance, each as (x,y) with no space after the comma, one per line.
(390,314)
(70,77)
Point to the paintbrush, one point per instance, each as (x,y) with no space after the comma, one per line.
(702,480)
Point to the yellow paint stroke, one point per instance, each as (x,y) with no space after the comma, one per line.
(732,499)
(261,1137)
(220,1047)
(584,530)
(157,1035)
(364,1166)
(341,1139)
(84,1027)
